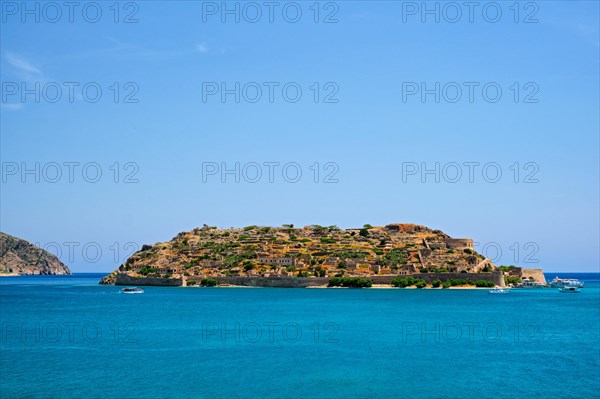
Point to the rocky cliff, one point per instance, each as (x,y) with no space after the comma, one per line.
(18,256)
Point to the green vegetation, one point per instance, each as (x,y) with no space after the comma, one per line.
(328,240)
(352,282)
(438,270)
(191,282)
(193,263)
(144,270)
(350,254)
(459,282)
(320,272)
(393,257)
(512,280)
(436,283)
(208,282)
(232,260)
(468,251)
(364,232)
(408,281)
(506,268)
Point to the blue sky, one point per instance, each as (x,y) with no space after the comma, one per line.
(165,125)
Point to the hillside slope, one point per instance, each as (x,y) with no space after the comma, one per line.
(18,256)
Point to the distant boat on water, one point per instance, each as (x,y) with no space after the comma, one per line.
(529,284)
(132,290)
(498,291)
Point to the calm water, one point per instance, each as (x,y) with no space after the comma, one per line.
(68,337)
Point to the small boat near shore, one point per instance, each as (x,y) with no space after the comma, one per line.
(529,284)
(498,291)
(132,290)
(564,282)
(570,288)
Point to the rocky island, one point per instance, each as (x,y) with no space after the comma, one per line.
(18,257)
(395,254)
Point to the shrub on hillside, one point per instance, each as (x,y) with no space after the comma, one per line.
(352,282)
(407,282)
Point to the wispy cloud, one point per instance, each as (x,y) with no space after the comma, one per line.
(202,47)
(23,68)
(21,64)
(122,50)
(12,107)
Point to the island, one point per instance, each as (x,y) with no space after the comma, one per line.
(398,255)
(18,257)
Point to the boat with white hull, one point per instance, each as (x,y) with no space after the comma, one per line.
(570,289)
(558,282)
(529,284)
(132,290)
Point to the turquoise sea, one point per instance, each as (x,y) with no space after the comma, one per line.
(67,337)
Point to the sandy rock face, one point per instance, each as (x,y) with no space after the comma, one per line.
(21,257)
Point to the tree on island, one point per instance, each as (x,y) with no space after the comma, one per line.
(208,282)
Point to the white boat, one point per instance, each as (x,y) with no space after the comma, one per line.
(498,291)
(529,284)
(563,282)
(132,290)
(569,288)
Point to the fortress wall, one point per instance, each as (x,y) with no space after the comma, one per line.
(537,275)
(496,277)
(287,282)
(124,279)
(459,243)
